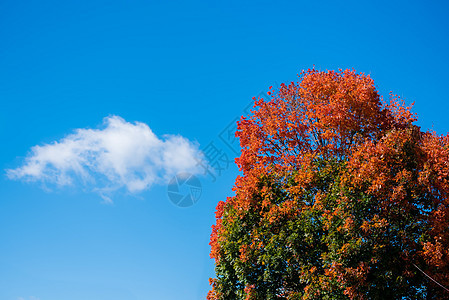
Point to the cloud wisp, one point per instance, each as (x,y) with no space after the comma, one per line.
(121,155)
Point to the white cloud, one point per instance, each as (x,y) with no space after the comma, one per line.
(121,154)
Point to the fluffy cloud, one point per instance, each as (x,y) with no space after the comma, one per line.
(121,155)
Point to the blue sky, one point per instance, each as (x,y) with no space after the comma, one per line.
(170,73)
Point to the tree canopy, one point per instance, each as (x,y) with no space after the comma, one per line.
(342,196)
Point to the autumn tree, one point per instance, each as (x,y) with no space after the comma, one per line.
(342,196)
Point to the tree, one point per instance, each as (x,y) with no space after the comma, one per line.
(342,196)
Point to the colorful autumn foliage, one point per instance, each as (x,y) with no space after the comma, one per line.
(341,196)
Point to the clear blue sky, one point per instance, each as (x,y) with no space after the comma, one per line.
(184,68)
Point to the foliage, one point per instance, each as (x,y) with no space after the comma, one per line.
(341,196)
